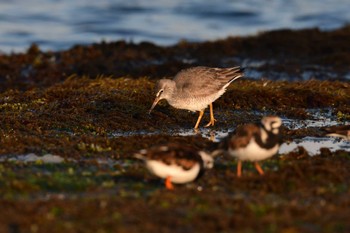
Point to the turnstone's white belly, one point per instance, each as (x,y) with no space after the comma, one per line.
(253,152)
(177,173)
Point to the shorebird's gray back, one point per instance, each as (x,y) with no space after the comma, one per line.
(203,81)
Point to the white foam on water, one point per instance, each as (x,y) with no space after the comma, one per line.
(313,145)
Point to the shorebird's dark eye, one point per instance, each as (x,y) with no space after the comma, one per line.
(160,92)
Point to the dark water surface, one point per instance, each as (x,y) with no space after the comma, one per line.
(60,24)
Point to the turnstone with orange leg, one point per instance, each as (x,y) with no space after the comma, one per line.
(176,163)
(254,142)
(342,131)
(195,88)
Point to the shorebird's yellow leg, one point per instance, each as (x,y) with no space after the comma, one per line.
(212,119)
(168,183)
(239,168)
(258,168)
(199,119)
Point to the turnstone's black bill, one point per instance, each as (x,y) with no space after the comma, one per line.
(195,88)
(342,131)
(175,163)
(254,142)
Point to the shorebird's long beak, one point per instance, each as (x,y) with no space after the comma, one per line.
(156,100)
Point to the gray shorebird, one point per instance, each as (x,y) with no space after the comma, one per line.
(254,142)
(175,163)
(195,88)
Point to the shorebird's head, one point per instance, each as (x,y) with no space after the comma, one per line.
(165,88)
(272,124)
(208,160)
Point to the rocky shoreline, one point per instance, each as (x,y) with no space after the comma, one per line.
(72,104)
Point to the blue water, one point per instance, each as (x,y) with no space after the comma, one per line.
(60,24)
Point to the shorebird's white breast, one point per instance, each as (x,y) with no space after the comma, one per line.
(177,173)
(253,152)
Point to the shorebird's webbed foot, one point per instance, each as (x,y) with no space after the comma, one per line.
(211,122)
(212,119)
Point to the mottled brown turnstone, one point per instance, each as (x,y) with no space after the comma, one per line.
(175,163)
(254,142)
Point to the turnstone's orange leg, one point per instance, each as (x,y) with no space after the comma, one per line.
(212,119)
(199,119)
(258,168)
(168,183)
(239,168)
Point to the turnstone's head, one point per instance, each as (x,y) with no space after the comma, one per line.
(208,161)
(271,124)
